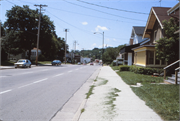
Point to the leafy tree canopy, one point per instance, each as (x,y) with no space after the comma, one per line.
(167,48)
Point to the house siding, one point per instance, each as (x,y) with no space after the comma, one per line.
(156,33)
(141,58)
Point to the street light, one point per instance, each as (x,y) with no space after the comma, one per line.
(103,40)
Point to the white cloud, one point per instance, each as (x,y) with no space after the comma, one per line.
(94,45)
(84,23)
(101,28)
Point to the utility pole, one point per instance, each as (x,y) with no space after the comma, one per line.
(75,42)
(38,30)
(66,30)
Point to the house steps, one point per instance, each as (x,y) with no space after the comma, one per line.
(171,80)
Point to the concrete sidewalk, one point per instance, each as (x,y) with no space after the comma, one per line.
(113,100)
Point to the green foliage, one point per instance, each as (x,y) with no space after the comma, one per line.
(90,92)
(115,67)
(132,78)
(113,64)
(146,71)
(111,53)
(21,33)
(163,99)
(124,68)
(167,47)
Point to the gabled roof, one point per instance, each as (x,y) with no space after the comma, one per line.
(156,13)
(173,9)
(138,30)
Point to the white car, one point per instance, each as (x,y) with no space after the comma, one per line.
(23,63)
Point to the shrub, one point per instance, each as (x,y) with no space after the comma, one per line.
(124,68)
(113,64)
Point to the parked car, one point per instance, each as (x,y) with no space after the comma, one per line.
(56,62)
(91,63)
(23,63)
(79,63)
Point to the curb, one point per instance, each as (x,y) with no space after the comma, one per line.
(74,113)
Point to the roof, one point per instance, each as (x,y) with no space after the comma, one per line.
(156,13)
(143,46)
(173,9)
(139,30)
(128,48)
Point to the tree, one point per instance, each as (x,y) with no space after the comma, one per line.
(167,47)
(21,21)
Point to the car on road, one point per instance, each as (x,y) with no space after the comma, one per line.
(79,63)
(91,63)
(56,62)
(22,63)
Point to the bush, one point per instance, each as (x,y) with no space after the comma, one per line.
(143,70)
(124,68)
(113,64)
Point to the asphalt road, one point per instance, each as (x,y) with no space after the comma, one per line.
(36,94)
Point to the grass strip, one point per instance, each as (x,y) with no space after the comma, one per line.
(90,91)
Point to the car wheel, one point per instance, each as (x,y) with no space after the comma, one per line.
(15,67)
(29,66)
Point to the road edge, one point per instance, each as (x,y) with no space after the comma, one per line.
(74,113)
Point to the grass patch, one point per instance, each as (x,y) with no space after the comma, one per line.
(115,67)
(90,92)
(132,79)
(163,99)
(102,83)
(82,110)
(110,106)
(7,63)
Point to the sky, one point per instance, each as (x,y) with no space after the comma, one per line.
(85,17)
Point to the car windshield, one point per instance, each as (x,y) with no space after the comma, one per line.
(21,60)
(55,61)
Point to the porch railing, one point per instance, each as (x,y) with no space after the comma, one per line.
(176,71)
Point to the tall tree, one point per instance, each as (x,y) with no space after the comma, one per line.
(167,47)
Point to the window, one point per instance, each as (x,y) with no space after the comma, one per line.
(155,33)
(150,57)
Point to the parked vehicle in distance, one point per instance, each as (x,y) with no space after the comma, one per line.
(79,63)
(91,63)
(23,63)
(56,62)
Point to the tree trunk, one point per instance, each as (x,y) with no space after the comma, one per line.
(29,54)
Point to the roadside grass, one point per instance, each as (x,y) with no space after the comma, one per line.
(82,110)
(132,79)
(110,106)
(162,98)
(90,91)
(42,62)
(7,63)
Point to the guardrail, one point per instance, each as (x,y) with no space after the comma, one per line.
(176,71)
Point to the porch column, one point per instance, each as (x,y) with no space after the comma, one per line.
(154,58)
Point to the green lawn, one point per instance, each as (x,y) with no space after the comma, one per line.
(162,98)
(131,78)
(115,67)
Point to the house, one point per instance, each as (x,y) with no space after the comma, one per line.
(135,40)
(14,58)
(144,55)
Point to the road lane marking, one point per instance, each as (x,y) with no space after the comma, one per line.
(77,69)
(3,76)
(25,85)
(58,75)
(5,91)
(40,80)
(69,71)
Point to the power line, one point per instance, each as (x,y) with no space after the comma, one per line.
(91,15)
(104,12)
(10,2)
(112,8)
